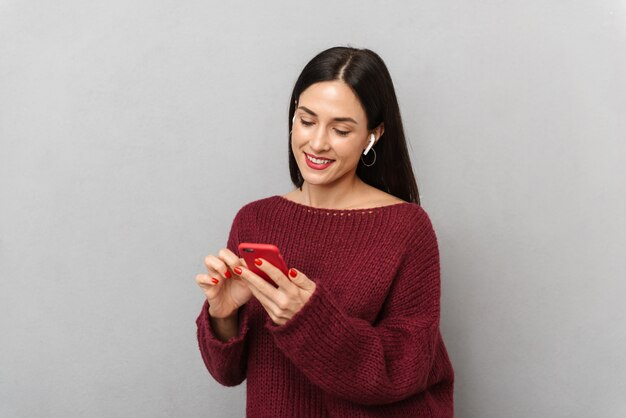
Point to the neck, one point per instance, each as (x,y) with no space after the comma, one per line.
(340,195)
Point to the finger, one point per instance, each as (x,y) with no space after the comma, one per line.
(207,280)
(231,260)
(217,265)
(301,280)
(214,274)
(208,283)
(242,262)
(228,257)
(270,306)
(275,274)
(258,282)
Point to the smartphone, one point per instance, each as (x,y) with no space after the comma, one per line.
(249,251)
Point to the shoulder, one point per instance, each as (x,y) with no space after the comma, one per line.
(414,219)
(422,218)
(411,213)
(253,207)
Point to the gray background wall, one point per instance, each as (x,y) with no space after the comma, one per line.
(131,132)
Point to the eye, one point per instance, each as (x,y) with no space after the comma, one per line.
(342,133)
(306,123)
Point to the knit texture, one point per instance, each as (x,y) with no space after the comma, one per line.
(367,343)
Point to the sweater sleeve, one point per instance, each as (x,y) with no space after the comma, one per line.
(366,363)
(226,361)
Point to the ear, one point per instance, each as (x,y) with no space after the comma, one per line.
(378,131)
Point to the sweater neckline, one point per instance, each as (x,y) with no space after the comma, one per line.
(342,211)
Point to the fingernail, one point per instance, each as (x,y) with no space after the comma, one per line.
(238,270)
(293,272)
(257,261)
(215,280)
(228,275)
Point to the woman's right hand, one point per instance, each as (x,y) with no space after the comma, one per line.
(224,290)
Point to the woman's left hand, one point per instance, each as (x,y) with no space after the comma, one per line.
(283,302)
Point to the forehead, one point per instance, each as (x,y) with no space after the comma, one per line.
(332,98)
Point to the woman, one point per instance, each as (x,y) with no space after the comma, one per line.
(353,329)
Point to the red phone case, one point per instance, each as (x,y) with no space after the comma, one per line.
(249,251)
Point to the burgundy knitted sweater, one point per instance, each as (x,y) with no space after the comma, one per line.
(367,343)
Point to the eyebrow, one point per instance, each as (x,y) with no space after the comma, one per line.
(309,111)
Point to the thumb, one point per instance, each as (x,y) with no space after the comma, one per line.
(299,279)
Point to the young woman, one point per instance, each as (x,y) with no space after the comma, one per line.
(353,329)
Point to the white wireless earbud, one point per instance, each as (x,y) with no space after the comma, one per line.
(370,145)
(294,119)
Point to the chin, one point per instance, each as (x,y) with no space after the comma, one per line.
(315,182)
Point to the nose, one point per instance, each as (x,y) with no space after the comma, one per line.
(319,140)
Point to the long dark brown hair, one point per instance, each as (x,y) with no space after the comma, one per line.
(366,73)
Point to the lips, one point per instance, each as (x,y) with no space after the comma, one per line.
(316,166)
(319,158)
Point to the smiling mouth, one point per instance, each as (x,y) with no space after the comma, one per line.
(318,160)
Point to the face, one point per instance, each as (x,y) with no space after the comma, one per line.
(331,127)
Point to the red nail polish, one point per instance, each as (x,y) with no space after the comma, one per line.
(227,275)
(257,261)
(215,280)
(238,270)
(293,272)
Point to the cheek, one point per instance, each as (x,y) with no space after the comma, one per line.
(298,139)
(296,146)
(348,151)
(294,141)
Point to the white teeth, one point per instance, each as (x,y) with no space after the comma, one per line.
(317,160)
